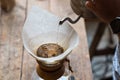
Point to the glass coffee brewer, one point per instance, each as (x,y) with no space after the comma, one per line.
(42,27)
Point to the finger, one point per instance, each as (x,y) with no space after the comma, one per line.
(90,5)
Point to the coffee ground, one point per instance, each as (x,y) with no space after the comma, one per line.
(49,50)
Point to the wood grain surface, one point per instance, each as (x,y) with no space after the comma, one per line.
(11,47)
(16,63)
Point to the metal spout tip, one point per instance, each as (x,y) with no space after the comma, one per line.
(61,22)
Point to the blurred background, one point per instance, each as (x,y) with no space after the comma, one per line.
(101,41)
(104,42)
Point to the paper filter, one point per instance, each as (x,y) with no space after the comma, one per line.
(42,27)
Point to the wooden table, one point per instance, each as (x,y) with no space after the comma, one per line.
(16,63)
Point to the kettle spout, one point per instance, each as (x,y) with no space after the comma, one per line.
(70,20)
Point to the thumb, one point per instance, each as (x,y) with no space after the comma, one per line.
(90,5)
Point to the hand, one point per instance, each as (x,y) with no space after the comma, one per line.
(106,10)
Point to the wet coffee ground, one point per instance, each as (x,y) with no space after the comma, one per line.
(49,50)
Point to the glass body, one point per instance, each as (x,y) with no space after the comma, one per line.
(65,76)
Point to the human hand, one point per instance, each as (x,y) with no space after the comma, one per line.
(106,10)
